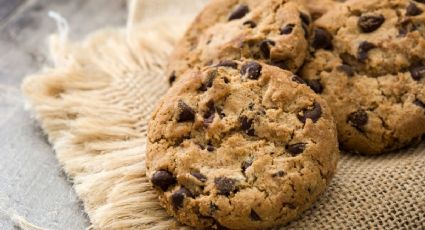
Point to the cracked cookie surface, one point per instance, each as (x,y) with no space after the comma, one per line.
(272,31)
(317,10)
(242,145)
(368,62)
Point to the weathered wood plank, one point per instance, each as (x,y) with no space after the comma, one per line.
(7,7)
(31,180)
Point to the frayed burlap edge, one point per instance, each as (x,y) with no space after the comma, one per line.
(94,104)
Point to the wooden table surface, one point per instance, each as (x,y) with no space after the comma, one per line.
(31,181)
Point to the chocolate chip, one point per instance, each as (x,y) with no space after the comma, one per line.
(172,78)
(179,141)
(246,126)
(413,10)
(322,39)
(370,23)
(279,174)
(185,112)
(419,103)
(346,69)
(348,59)
(250,132)
(209,81)
(254,216)
(358,119)
(313,113)
(224,185)
(364,48)
(239,12)
(228,63)
(201,177)
(178,197)
(283,64)
(246,164)
(315,85)
(265,48)
(287,29)
(406,26)
(296,149)
(250,23)
(210,148)
(417,72)
(252,69)
(163,179)
(210,114)
(210,105)
(298,79)
(305,18)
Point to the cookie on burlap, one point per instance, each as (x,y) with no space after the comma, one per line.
(368,62)
(273,31)
(242,145)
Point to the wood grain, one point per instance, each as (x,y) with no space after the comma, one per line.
(7,7)
(31,180)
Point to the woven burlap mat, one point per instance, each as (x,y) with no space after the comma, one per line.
(94,104)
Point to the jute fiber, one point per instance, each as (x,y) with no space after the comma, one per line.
(94,103)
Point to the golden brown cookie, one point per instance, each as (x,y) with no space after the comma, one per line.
(242,145)
(272,31)
(368,62)
(317,8)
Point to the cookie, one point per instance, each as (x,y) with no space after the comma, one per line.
(368,62)
(242,145)
(272,31)
(317,10)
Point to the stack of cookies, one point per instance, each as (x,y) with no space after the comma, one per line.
(262,93)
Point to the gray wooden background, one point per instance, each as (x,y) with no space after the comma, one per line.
(31,181)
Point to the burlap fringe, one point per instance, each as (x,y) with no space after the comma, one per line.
(94,104)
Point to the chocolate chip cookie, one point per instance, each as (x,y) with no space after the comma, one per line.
(368,62)
(272,31)
(242,145)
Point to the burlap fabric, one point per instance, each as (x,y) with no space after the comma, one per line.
(94,104)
